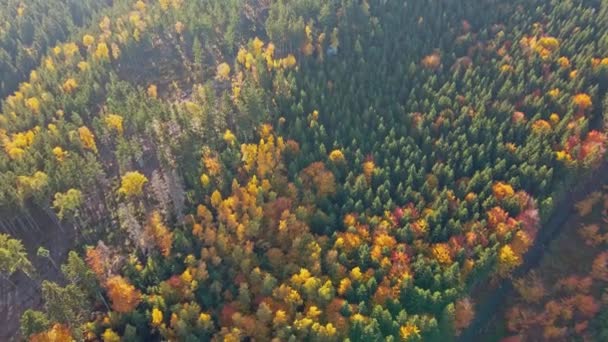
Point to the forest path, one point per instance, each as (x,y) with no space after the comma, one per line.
(487,310)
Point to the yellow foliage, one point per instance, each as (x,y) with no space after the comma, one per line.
(301,278)
(83,66)
(289,61)
(511,147)
(563,156)
(216,199)
(132,184)
(33,105)
(549,43)
(33,76)
(313,312)
(409,331)
(336,156)
(69,85)
(115,51)
(179,27)
(229,138)
(507,260)
(34,183)
(15,147)
(58,333)
(270,50)
(302,323)
(506,68)
(156,229)
(563,62)
(59,154)
(102,52)
(124,296)
(164,4)
(541,126)
(205,180)
(114,122)
(53,129)
(470,197)
(241,57)
(257,45)
(15,153)
(521,242)
(432,61)
(280,318)
(345,285)
(140,5)
(68,201)
(87,138)
(186,277)
(152,91)
(358,318)
(249,60)
(349,220)
(69,50)
(236,91)
(326,331)
(104,24)
(88,40)
(582,101)
(135,19)
(368,169)
(157,317)
(265,131)
(223,71)
(192,107)
(204,318)
(110,336)
(212,165)
(441,253)
(308,49)
(502,190)
(48,64)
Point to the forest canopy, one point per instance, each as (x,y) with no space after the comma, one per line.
(311,170)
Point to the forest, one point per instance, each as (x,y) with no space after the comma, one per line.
(303,170)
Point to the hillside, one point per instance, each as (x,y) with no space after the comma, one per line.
(289,170)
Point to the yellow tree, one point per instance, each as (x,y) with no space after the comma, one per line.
(115,123)
(161,235)
(124,296)
(507,260)
(58,333)
(88,40)
(223,71)
(87,138)
(132,184)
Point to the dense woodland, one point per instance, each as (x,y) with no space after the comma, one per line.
(29,28)
(293,169)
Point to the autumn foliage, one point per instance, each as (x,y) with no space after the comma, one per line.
(308,170)
(124,296)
